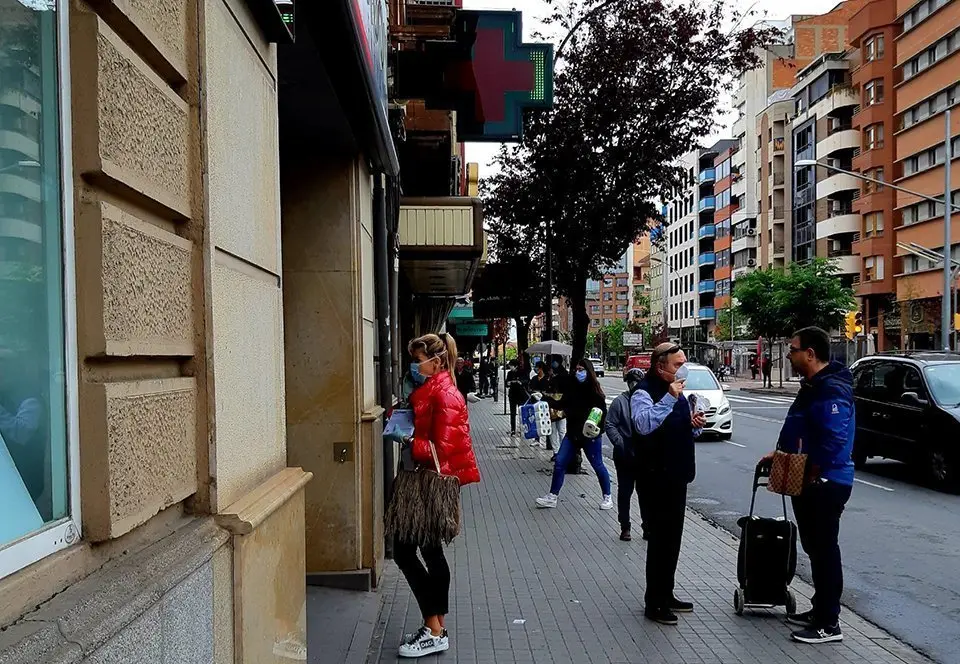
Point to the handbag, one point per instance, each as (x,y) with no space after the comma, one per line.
(788,472)
(425,506)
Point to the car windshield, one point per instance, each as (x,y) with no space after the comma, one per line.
(944,382)
(701,379)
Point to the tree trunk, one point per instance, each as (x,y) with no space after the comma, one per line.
(581,320)
(523,332)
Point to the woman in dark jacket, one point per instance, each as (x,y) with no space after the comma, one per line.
(582,394)
(517,384)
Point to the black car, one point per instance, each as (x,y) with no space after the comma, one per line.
(908,409)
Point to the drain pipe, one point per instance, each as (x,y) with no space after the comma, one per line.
(385,322)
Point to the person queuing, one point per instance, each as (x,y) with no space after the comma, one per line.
(484,373)
(465,381)
(440,422)
(821,423)
(517,390)
(665,428)
(619,430)
(581,396)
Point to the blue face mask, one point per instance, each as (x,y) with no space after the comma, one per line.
(415,374)
(582,375)
(555,364)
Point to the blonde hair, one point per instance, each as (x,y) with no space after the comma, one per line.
(442,346)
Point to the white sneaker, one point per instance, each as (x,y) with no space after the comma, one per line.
(424,643)
(549,500)
(606,503)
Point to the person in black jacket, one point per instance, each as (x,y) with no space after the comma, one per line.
(465,378)
(665,428)
(517,384)
(581,395)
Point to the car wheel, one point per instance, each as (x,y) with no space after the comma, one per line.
(942,468)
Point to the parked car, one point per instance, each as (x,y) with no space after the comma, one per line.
(597,366)
(702,383)
(908,409)
(640,361)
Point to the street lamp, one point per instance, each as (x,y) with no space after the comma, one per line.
(949,207)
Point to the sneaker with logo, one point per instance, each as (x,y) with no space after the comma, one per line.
(547,501)
(606,503)
(424,643)
(817,635)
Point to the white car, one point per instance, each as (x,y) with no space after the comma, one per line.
(597,366)
(702,383)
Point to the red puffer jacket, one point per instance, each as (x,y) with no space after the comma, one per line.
(440,415)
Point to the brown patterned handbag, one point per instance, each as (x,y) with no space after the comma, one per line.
(788,472)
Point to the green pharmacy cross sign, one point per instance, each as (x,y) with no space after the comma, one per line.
(496,76)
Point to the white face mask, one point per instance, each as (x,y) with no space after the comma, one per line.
(682,373)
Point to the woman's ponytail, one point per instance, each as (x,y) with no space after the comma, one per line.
(451,356)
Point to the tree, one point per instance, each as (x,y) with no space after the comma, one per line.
(778,302)
(613,338)
(637,86)
(512,288)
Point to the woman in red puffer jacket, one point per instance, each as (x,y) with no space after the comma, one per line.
(440,416)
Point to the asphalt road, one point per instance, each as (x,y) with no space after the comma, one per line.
(900,540)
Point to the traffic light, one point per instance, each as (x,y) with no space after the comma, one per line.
(858,323)
(956,322)
(849,323)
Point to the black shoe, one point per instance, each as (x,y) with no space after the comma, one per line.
(662,616)
(646,535)
(817,635)
(625,535)
(804,619)
(678,606)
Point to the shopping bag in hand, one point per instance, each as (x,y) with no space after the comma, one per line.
(788,472)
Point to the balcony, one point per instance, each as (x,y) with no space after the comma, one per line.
(707,232)
(743,243)
(708,204)
(707,313)
(12,183)
(775,180)
(707,286)
(708,176)
(846,264)
(837,183)
(776,214)
(779,145)
(708,258)
(838,225)
(26,145)
(843,138)
(842,95)
(742,270)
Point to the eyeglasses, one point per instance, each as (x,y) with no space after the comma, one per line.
(794,349)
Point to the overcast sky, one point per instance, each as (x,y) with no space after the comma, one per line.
(534,10)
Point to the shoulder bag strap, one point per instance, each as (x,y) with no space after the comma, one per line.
(433,452)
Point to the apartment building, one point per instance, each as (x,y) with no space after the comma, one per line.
(658,299)
(824,223)
(716,264)
(873,34)
(680,233)
(927,62)
(774,180)
(640,281)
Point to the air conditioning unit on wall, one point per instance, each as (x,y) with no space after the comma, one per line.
(752,262)
(753,231)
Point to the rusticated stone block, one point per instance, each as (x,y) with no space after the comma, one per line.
(135,285)
(139,452)
(135,130)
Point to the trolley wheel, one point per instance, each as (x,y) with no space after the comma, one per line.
(738,601)
(791,603)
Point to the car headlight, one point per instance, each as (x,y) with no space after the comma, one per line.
(724,407)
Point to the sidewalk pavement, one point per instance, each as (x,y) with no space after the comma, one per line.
(557,586)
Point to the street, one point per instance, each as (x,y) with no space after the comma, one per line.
(900,540)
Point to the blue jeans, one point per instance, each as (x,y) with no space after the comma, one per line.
(593,449)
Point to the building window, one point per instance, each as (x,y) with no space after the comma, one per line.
(930,158)
(931,55)
(924,210)
(608,296)
(621,282)
(594,308)
(921,12)
(621,308)
(38,464)
(594,322)
(608,308)
(930,106)
(608,282)
(873,224)
(873,92)
(873,187)
(873,48)
(873,136)
(873,268)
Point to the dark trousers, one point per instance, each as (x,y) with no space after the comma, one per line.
(431,583)
(627,483)
(514,405)
(767,380)
(818,511)
(668,503)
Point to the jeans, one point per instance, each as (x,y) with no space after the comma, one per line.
(627,482)
(593,448)
(430,584)
(557,434)
(818,511)
(667,500)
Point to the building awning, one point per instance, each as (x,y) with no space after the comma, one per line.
(442,243)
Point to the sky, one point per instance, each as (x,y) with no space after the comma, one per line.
(535,10)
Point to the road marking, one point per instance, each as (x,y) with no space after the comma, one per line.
(758,417)
(730,442)
(875,486)
(762,407)
(739,397)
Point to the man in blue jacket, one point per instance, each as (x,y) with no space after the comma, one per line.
(821,423)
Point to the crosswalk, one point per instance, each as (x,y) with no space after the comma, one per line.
(753,401)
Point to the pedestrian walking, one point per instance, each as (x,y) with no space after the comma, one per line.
(581,396)
(619,430)
(559,383)
(517,389)
(464,377)
(425,517)
(821,423)
(484,372)
(767,368)
(665,429)
(753,366)
(540,384)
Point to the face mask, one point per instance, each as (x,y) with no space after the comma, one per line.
(415,374)
(682,373)
(582,375)
(554,364)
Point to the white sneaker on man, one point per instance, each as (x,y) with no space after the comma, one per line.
(424,643)
(549,500)
(606,503)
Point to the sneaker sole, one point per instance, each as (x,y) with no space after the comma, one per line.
(690,610)
(604,508)
(669,623)
(545,507)
(817,641)
(425,653)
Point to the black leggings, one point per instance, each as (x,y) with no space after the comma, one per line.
(430,584)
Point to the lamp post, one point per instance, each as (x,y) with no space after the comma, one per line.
(946,200)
